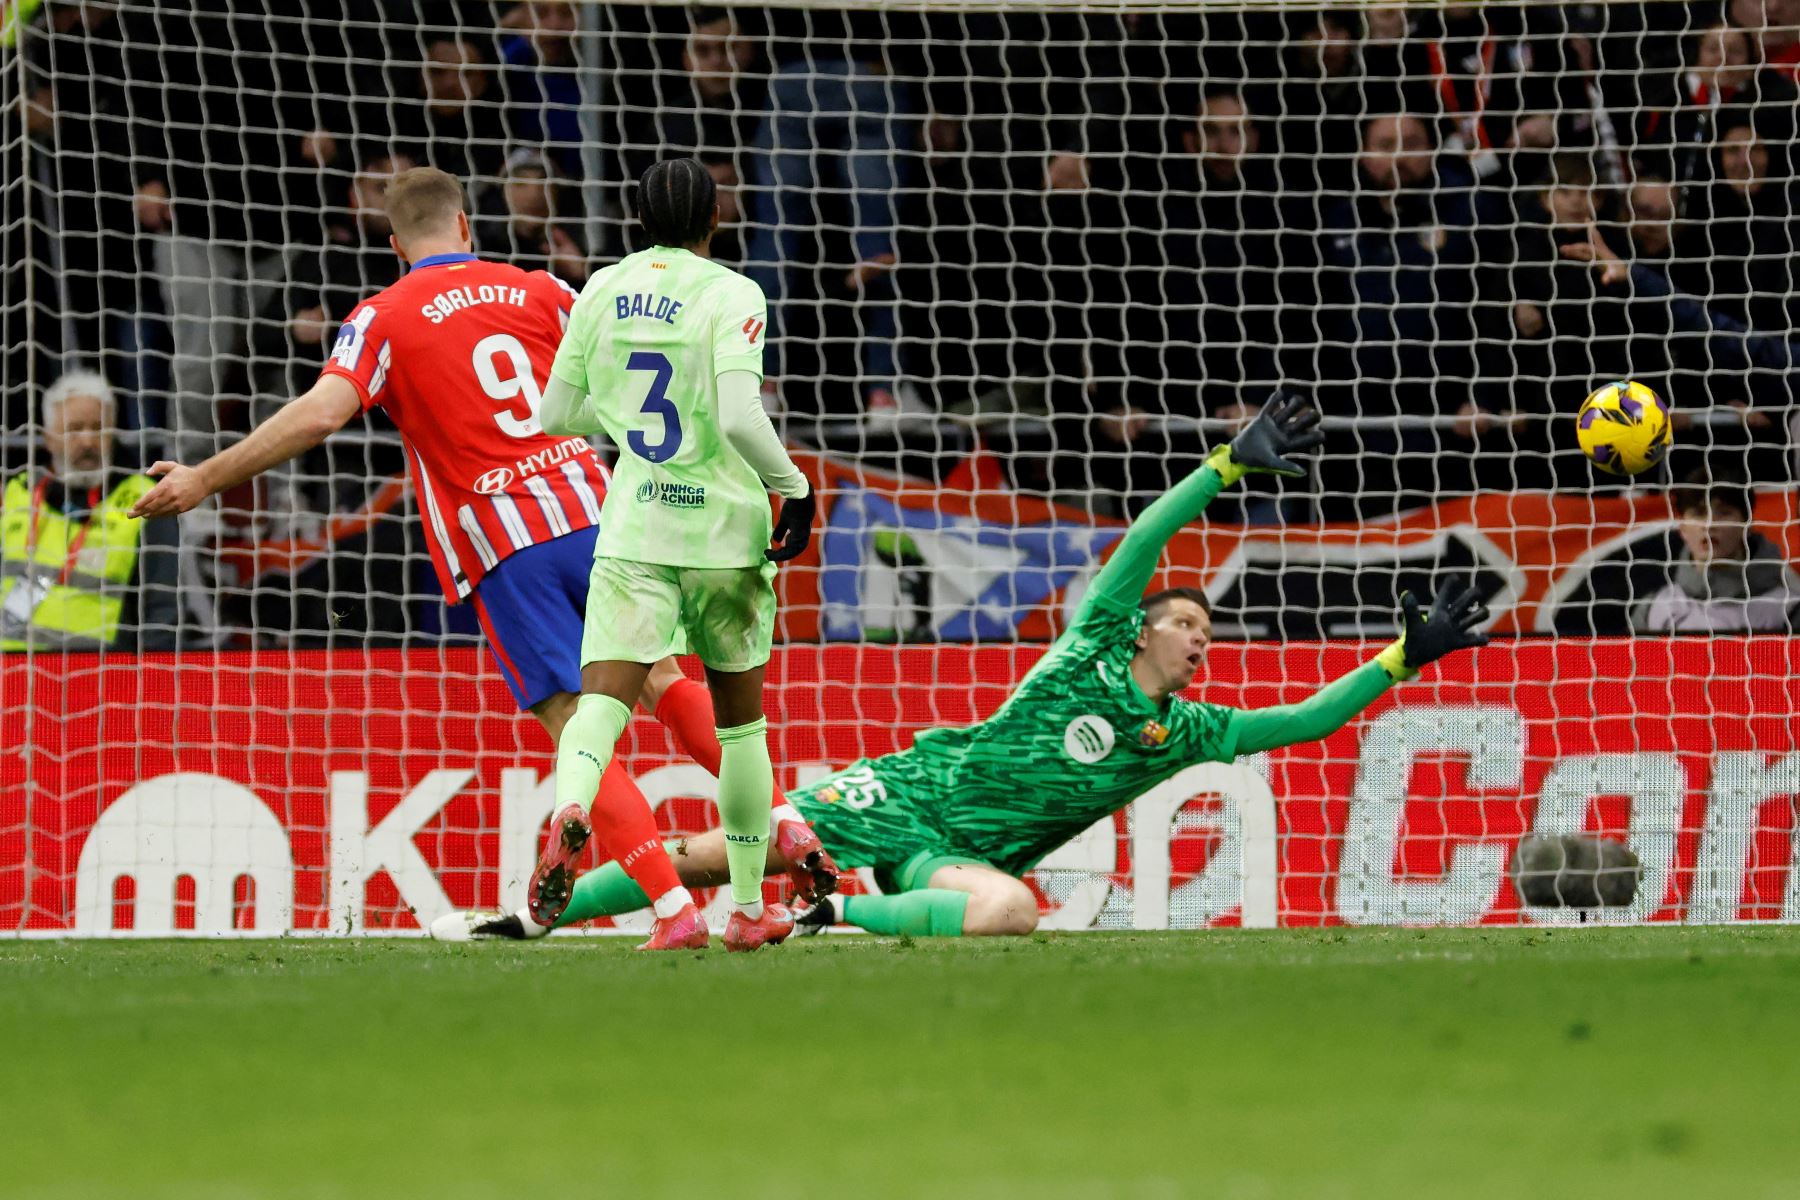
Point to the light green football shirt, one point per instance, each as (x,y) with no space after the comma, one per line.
(647,341)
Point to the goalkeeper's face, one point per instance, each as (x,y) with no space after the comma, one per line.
(1172,645)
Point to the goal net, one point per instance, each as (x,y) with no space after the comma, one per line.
(1025,263)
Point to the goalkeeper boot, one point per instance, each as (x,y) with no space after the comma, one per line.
(554,878)
(813,872)
(818,918)
(771,929)
(486,924)
(686,930)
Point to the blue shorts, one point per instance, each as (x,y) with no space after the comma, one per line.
(532,606)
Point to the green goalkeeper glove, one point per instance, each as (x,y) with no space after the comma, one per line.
(1286,425)
(1450,626)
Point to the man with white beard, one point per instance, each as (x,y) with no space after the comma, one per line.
(77,572)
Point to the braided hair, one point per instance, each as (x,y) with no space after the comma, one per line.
(675,202)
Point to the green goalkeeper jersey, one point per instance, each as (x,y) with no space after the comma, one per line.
(646,343)
(1078,739)
(1076,742)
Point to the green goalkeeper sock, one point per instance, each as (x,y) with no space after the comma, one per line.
(928,912)
(586,746)
(746,781)
(606,891)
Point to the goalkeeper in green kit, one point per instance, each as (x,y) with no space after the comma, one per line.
(663,353)
(950,824)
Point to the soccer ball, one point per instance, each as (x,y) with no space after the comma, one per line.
(1624,428)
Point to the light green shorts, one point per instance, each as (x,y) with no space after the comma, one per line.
(641,612)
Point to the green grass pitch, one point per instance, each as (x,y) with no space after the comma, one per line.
(1504,1063)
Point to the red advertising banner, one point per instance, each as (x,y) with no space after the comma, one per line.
(352,790)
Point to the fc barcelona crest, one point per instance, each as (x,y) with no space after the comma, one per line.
(1153,734)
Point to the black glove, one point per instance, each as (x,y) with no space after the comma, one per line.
(1286,425)
(1450,626)
(793,528)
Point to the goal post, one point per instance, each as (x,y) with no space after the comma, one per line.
(1026,264)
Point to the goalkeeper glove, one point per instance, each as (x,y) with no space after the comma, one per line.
(1450,626)
(1286,425)
(793,528)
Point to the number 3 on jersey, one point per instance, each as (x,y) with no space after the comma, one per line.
(510,386)
(658,403)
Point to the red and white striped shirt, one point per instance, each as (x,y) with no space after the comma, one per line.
(458,352)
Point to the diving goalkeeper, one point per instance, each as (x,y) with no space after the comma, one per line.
(950,824)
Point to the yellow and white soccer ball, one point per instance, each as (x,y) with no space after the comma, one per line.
(1624,428)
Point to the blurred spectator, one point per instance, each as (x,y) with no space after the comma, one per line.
(200,139)
(327,281)
(525,221)
(962,305)
(1218,264)
(1678,112)
(710,108)
(541,81)
(79,225)
(1505,78)
(295,334)
(223,186)
(836,131)
(1397,293)
(727,241)
(1549,328)
(1743,238)
(1651,207)
(1322,91)
(1775,27)
(79,574)
(31,319)
(1555,325)
(455,126)
(1729,578)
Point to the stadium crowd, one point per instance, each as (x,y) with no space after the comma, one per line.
(1069,238)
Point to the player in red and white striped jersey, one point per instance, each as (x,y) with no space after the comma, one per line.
(490,480)
(457,352)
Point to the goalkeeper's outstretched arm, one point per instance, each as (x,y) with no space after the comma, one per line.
(1453,624)
(301,424)
(1286,425)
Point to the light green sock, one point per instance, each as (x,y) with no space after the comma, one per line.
(928,912)
(586,747)
(746,781)
(606,891)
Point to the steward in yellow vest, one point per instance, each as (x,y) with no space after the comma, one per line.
(77,573)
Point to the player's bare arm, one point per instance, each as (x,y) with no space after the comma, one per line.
(302,424)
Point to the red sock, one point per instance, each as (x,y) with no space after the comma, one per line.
(686,710)
(627,832)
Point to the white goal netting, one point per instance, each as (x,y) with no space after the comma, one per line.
(1025,264)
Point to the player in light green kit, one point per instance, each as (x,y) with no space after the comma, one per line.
(663,354)
(949,824)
